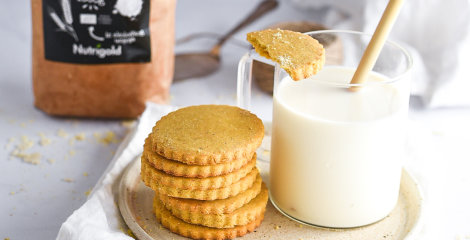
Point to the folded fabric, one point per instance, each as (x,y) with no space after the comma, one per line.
(99,218)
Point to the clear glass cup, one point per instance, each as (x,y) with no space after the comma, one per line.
(336,154)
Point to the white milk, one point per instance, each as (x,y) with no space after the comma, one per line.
(337,155)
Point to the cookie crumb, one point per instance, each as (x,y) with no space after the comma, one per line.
(25,143)
(69,180)
(85,174)
(12,193)
(87,192)
(110,137)
(62,133)
(32,158)
(80,137)
(44,141)
(128,123)
(276,227)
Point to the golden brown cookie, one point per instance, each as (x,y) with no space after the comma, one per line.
(299,54)
(209,194)
(219,206)
(207,134)
(195,183)
(176,168)
(242,216)
(185,229)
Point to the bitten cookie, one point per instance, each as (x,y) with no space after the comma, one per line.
(300,55)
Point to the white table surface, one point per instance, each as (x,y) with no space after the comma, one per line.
(36,199)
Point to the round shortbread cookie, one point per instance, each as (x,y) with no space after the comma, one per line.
(300,55)
(176,168)
(193,231)
(219,206)
(242,216)
(207,134)
(195,183)
(209,194)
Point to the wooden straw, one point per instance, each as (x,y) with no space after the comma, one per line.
(376,43)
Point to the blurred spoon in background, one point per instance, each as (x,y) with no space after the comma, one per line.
(191,65)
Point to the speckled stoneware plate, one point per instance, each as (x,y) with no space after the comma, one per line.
(135,203)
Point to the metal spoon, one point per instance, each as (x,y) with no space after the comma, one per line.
(190,65)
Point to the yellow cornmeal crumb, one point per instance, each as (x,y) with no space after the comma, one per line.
(300,225)
(130,233)
(12,193)
(80,137)
(69,180)
(87,192)
(72,152)
(277,227)
(71,141)
(110,137)
(23,125)
(62,133)
(128,123)
(7,239)
(32,158)
(25,143)
(44,141)
(19,151)
(85,174)
(51,160)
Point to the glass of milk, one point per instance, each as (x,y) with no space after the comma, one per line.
(337,155)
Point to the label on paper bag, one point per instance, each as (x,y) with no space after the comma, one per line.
(96,31)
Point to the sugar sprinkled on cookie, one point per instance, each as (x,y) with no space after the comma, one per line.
(300,55)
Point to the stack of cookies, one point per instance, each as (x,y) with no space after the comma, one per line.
(201,163)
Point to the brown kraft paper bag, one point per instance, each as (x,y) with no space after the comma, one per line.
(90,74)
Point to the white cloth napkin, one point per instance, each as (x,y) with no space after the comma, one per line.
(99,218)
(436,32)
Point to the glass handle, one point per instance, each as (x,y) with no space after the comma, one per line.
(244,77)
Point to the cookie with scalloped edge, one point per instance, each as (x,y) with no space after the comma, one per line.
(195,183)
(207,134)
(176,168)
(241,216)
(219,206)
(209,194)
(299,54)
(193,231)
